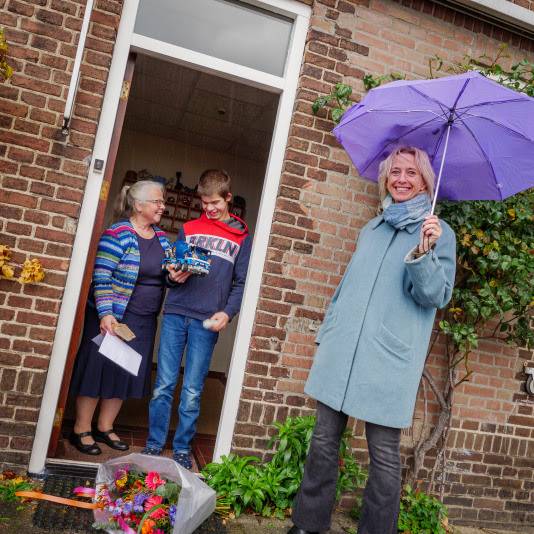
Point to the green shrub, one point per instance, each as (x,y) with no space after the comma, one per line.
(421,513)
(10,483)
(268,488)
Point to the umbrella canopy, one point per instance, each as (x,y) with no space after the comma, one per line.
(478,132)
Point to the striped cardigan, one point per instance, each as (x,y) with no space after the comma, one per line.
(117,266)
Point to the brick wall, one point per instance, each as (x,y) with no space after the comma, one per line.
(322,205)
(42,178)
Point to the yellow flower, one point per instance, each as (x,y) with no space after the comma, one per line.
(121,482)
(7,271)
(493,282)
(32,272)
(511,213)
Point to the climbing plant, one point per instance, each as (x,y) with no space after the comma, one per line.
(494,289)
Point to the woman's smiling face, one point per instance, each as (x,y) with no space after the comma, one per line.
(405,180)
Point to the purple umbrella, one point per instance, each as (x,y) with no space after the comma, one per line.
(482,130)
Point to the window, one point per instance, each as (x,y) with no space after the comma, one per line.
(226,29)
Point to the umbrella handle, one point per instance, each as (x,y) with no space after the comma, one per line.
(441,168)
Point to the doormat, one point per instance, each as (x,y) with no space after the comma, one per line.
(61,480)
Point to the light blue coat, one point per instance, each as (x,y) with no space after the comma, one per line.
(375,335)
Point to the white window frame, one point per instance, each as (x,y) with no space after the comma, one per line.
(286,87)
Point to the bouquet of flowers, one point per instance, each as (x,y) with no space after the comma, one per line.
(140,494)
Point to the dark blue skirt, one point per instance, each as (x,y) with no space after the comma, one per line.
(95,375)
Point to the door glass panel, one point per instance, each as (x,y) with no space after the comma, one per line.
(226,29)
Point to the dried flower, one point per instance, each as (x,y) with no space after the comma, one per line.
(32,272)
(5,255)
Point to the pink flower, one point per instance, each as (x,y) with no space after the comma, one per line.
(154,501)
(158,531)
(124,526)
(153,480)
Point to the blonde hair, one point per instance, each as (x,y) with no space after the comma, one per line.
(422,162)
(130,194)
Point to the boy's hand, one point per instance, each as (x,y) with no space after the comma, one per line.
(222,319)
(177,276)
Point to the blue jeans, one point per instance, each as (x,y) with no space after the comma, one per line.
(177,332)
(315,500)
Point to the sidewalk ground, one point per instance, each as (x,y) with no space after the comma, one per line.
(342,524)
(20,521)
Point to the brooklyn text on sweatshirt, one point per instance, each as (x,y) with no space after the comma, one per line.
(219,246)
(222,289)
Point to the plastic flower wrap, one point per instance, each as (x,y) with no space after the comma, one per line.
(150,495)
(5,255)
(32,272)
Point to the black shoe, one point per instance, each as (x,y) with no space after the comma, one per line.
(103,437)
(297,530)
(76,439)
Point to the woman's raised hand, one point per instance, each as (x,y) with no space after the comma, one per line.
(430,233)
(107,324)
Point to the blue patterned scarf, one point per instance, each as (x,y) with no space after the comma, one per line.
(401,214)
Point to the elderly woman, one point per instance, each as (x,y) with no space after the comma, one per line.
(373,344)
(128,287)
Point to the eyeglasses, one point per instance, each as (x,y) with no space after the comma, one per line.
(157,202)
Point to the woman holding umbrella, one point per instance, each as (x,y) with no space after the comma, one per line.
(373,342)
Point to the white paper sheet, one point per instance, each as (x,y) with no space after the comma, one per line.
(97,340)
(121,353)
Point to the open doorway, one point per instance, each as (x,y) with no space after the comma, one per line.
(179,122)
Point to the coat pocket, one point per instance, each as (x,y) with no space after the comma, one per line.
(326,327)
(393,344)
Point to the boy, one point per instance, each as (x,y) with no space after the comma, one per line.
(191,300)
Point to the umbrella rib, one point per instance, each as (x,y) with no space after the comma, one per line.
(372,110)
(519,134)
(394,141)
(492,102)
(385,111)
(484,154)
(442,106)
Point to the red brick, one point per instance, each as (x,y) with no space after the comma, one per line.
(24,140)
(19,199)
(12,108)
(53,235)
(20,8)
(17,154)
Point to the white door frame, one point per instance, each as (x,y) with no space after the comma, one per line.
(286,86)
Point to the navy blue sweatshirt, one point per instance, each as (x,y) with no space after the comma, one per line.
(200,297)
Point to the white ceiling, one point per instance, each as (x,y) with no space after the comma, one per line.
(200,109)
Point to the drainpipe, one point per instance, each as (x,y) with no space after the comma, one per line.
(75,77)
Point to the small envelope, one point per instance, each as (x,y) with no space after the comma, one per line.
(123,331)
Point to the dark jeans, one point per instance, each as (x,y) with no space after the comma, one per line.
(314,503)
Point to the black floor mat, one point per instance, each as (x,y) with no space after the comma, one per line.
(61,480)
